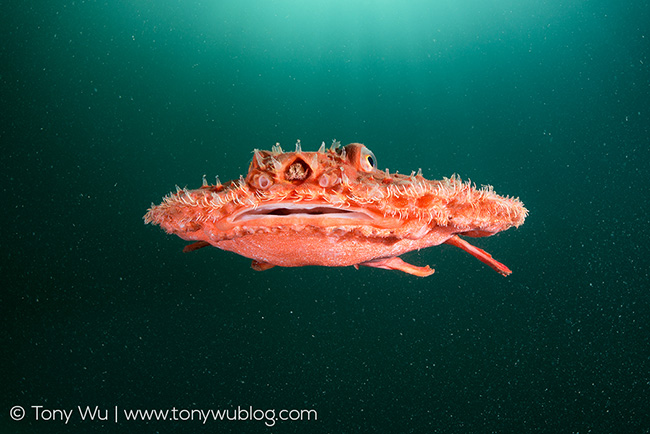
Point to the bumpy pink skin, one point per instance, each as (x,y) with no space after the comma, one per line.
(334,208)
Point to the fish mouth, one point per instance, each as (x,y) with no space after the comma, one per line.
(300,211)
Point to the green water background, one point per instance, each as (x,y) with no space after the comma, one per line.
(105,106)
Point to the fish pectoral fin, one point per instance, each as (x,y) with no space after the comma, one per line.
(479,254)
(396,263)
(261,265)
(195,246)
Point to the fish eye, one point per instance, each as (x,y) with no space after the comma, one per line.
(368,161)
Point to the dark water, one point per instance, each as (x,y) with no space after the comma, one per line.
(105,106)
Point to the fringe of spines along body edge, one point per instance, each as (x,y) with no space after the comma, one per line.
(449,189)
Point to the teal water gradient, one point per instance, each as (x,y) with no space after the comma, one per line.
(105,107)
